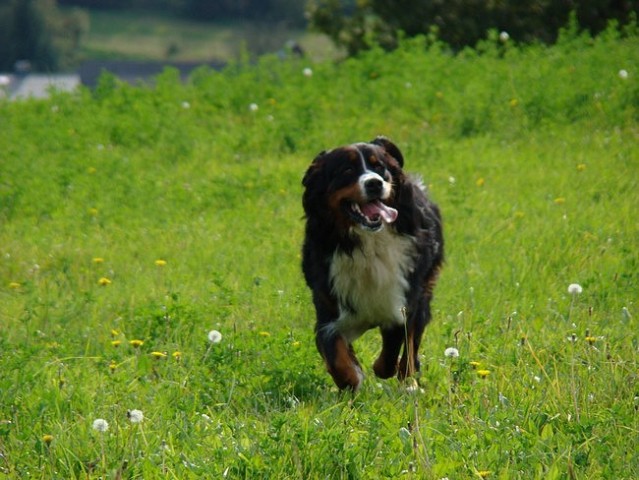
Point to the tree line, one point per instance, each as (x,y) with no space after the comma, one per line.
(37,31)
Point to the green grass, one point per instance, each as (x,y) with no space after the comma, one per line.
(531,154)
(148,35)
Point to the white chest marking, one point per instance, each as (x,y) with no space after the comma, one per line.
(371,284)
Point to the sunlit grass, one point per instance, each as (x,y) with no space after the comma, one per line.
(150,279)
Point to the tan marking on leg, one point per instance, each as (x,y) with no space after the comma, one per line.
(345,371)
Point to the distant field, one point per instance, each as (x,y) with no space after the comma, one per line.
(153,36)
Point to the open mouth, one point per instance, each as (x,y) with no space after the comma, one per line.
(372,215)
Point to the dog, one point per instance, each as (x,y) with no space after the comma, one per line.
(372,252)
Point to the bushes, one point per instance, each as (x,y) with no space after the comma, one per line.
(459,23)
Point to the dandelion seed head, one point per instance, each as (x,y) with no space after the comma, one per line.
(623,74)
(135,416)
(253,107)
(504,36)
(451,352)
(214,336)
(307,72)
(575,289)
(100,425)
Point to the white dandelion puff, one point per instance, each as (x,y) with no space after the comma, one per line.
(575,289)
(135,416)
(451,352)
(623,74)
(253,107)
(504,36)
(215,336)
(100,425)
(307,72)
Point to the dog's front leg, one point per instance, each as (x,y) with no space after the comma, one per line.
(339,357)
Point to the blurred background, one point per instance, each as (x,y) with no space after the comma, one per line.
(88,35)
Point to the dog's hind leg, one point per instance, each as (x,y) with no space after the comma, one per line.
(409,363)
(386,364)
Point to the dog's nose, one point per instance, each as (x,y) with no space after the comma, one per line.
(373,187)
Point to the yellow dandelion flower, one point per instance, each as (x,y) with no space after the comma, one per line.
(296,344)
(480,182)
(91,170)
(14,285)
(581,167)
(114,332)
(484,473)
(112,366)
(98,260)
(160,263)
(591,340)
(47,439)
(513,102)
(519,214)
(116,343)
(136,343)
(559,200)
(104,281)
(93,212)
(474,365)
(158,355)
(483,373)
(439,95)
(264,334)
(177,355)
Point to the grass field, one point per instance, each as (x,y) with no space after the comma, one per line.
(135,221)
(153,36)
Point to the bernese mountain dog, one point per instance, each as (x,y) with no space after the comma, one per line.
(372,251)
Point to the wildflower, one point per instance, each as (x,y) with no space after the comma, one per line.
(114,332)
(186,105)
(504,36)
(160,263)
(513,102)
(104,281)
(591,340)
(581,167)
(253,107)
(135,416)
(93,212)
(93,170)
(451,352)
(307,72)
(158,355)
(452,180)
(47,439)
(484,473)
(14,285)
(575,288)
(98,260)
(177,355)
(100,425)
(474,365)
(572,338)
(483,373)
(559,200)
(623,74)
(537,378)
(136,343)
(112,366)
(264,334)
(296,344)
(215,336)
(480,182)
(116,343)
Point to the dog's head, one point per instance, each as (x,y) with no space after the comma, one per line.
(355,185)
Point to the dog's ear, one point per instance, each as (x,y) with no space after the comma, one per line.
(390,148)
(313,168)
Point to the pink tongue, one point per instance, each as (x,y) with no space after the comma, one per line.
(378,208)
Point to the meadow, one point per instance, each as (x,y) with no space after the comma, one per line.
(154,319)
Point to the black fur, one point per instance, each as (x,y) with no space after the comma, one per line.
(333,183)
